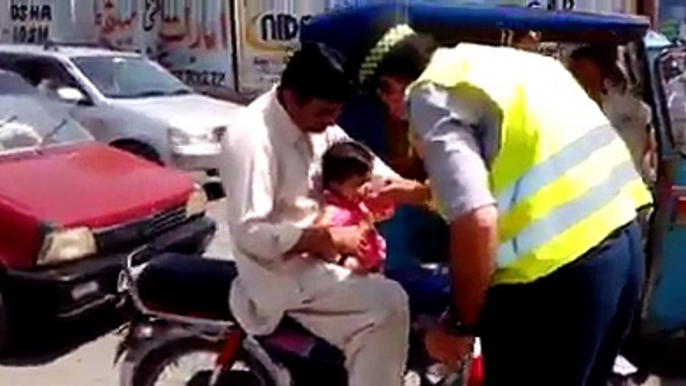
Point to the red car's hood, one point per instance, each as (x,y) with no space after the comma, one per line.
(88,185)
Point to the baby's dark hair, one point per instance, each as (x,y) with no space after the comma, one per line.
(344,160)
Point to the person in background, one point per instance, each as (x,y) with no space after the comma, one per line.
(596,69)
(48,86)
(542,204)
(526,40)
(270,169)
(675,90)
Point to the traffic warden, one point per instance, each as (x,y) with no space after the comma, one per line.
(541,197)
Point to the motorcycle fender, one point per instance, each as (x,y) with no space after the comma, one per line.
(136,347)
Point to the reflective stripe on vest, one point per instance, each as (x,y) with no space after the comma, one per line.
(549,170)
(565,216)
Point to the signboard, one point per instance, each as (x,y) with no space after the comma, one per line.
(26,21)
(37,21)
(266,31)
(31,21)
(127,24)
(191,38)
(194,41)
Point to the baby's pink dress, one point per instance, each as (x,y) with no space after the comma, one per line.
(350,213)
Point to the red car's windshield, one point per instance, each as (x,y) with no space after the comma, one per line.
(30,121)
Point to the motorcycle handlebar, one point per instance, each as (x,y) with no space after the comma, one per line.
(129,274)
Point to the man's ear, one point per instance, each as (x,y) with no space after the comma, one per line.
(295,98)
(288,98)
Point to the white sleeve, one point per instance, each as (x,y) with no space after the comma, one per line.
(248,172)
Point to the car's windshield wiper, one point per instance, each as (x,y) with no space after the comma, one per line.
(181,91)
(48,136)
(144,94)
(152,93)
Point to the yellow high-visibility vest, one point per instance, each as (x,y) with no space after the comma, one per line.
(563,179)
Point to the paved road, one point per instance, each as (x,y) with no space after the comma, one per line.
(82,354)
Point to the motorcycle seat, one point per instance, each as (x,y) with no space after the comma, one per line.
(188,285)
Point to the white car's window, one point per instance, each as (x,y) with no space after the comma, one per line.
(28,122)
(13,84)
(129,77)
(45,73)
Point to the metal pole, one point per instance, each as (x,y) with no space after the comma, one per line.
(648,8)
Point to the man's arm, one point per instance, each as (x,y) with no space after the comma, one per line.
(459,179)
(248,171)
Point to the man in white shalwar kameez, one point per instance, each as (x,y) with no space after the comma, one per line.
(287,265)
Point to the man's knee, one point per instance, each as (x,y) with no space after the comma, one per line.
(391,303)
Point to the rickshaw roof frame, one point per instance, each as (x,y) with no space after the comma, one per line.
(344,27)
(656,40)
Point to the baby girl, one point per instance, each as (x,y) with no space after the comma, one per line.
(346,181)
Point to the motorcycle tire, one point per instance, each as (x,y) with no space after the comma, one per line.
(149,369)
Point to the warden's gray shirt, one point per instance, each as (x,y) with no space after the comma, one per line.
(459,132)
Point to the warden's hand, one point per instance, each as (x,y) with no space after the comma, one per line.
(446,348)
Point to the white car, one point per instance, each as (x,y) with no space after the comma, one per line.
(128,101)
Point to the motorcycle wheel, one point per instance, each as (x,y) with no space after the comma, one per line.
(191,361)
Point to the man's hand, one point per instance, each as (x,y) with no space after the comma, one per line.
(401,191)
(349,240)
(446,348)
(329,243)
(353,264)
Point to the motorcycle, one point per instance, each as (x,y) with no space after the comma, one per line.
(181,331)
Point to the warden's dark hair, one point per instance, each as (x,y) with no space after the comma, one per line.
(407,59)
(344,160)
(317,71)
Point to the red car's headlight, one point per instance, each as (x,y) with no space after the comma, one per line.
(64,245)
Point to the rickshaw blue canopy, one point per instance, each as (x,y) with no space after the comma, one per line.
(344,28)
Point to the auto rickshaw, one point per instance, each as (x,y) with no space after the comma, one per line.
(655,71)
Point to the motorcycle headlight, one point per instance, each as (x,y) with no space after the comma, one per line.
(67,245)
(179,137)
(196,202)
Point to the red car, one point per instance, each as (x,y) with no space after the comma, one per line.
(71,209)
